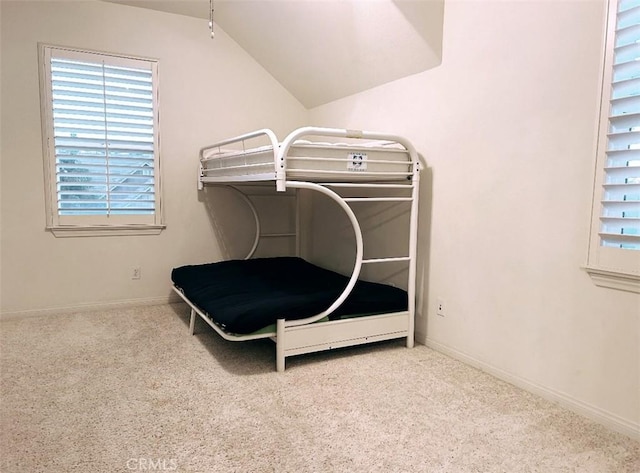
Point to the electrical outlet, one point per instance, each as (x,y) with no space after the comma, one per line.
(440,307)
(136,272)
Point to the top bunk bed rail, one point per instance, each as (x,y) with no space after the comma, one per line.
(258,156)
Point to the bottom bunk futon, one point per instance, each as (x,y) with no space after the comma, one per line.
(244,296)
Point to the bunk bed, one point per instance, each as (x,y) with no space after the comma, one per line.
(303,307)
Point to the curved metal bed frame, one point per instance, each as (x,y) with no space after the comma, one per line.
(295,337)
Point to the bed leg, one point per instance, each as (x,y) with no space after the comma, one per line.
(192,322)
(280,345)
(410,341)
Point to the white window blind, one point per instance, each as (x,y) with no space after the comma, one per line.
(614,250)
(100,125)
(620,215)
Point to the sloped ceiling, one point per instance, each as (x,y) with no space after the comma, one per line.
(323,50)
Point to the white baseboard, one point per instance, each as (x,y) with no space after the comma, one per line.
(608,419)
(95,306)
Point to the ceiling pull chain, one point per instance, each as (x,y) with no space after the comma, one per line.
(211,19)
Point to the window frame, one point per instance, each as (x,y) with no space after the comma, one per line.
(94,225)
(615,268)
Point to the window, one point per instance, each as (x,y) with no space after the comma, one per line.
(614,254)
(100,140)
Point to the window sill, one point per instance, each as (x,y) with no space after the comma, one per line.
(614,280)
(98,231)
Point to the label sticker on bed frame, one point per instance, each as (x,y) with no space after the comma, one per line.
(357,162)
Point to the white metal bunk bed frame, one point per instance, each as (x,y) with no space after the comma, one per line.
(295,337)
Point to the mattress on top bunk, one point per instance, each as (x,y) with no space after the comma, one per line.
(313,160)
(243,296)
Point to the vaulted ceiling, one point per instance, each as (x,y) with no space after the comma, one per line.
(323,50)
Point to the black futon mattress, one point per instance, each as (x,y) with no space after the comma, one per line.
(243,296)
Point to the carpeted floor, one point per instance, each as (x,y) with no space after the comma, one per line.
(130,390)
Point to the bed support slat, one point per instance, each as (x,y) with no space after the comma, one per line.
(387,260)
(378,199)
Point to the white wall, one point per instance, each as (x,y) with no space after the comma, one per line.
(209,90)
(507,125)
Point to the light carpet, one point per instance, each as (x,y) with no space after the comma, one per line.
(130,390)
